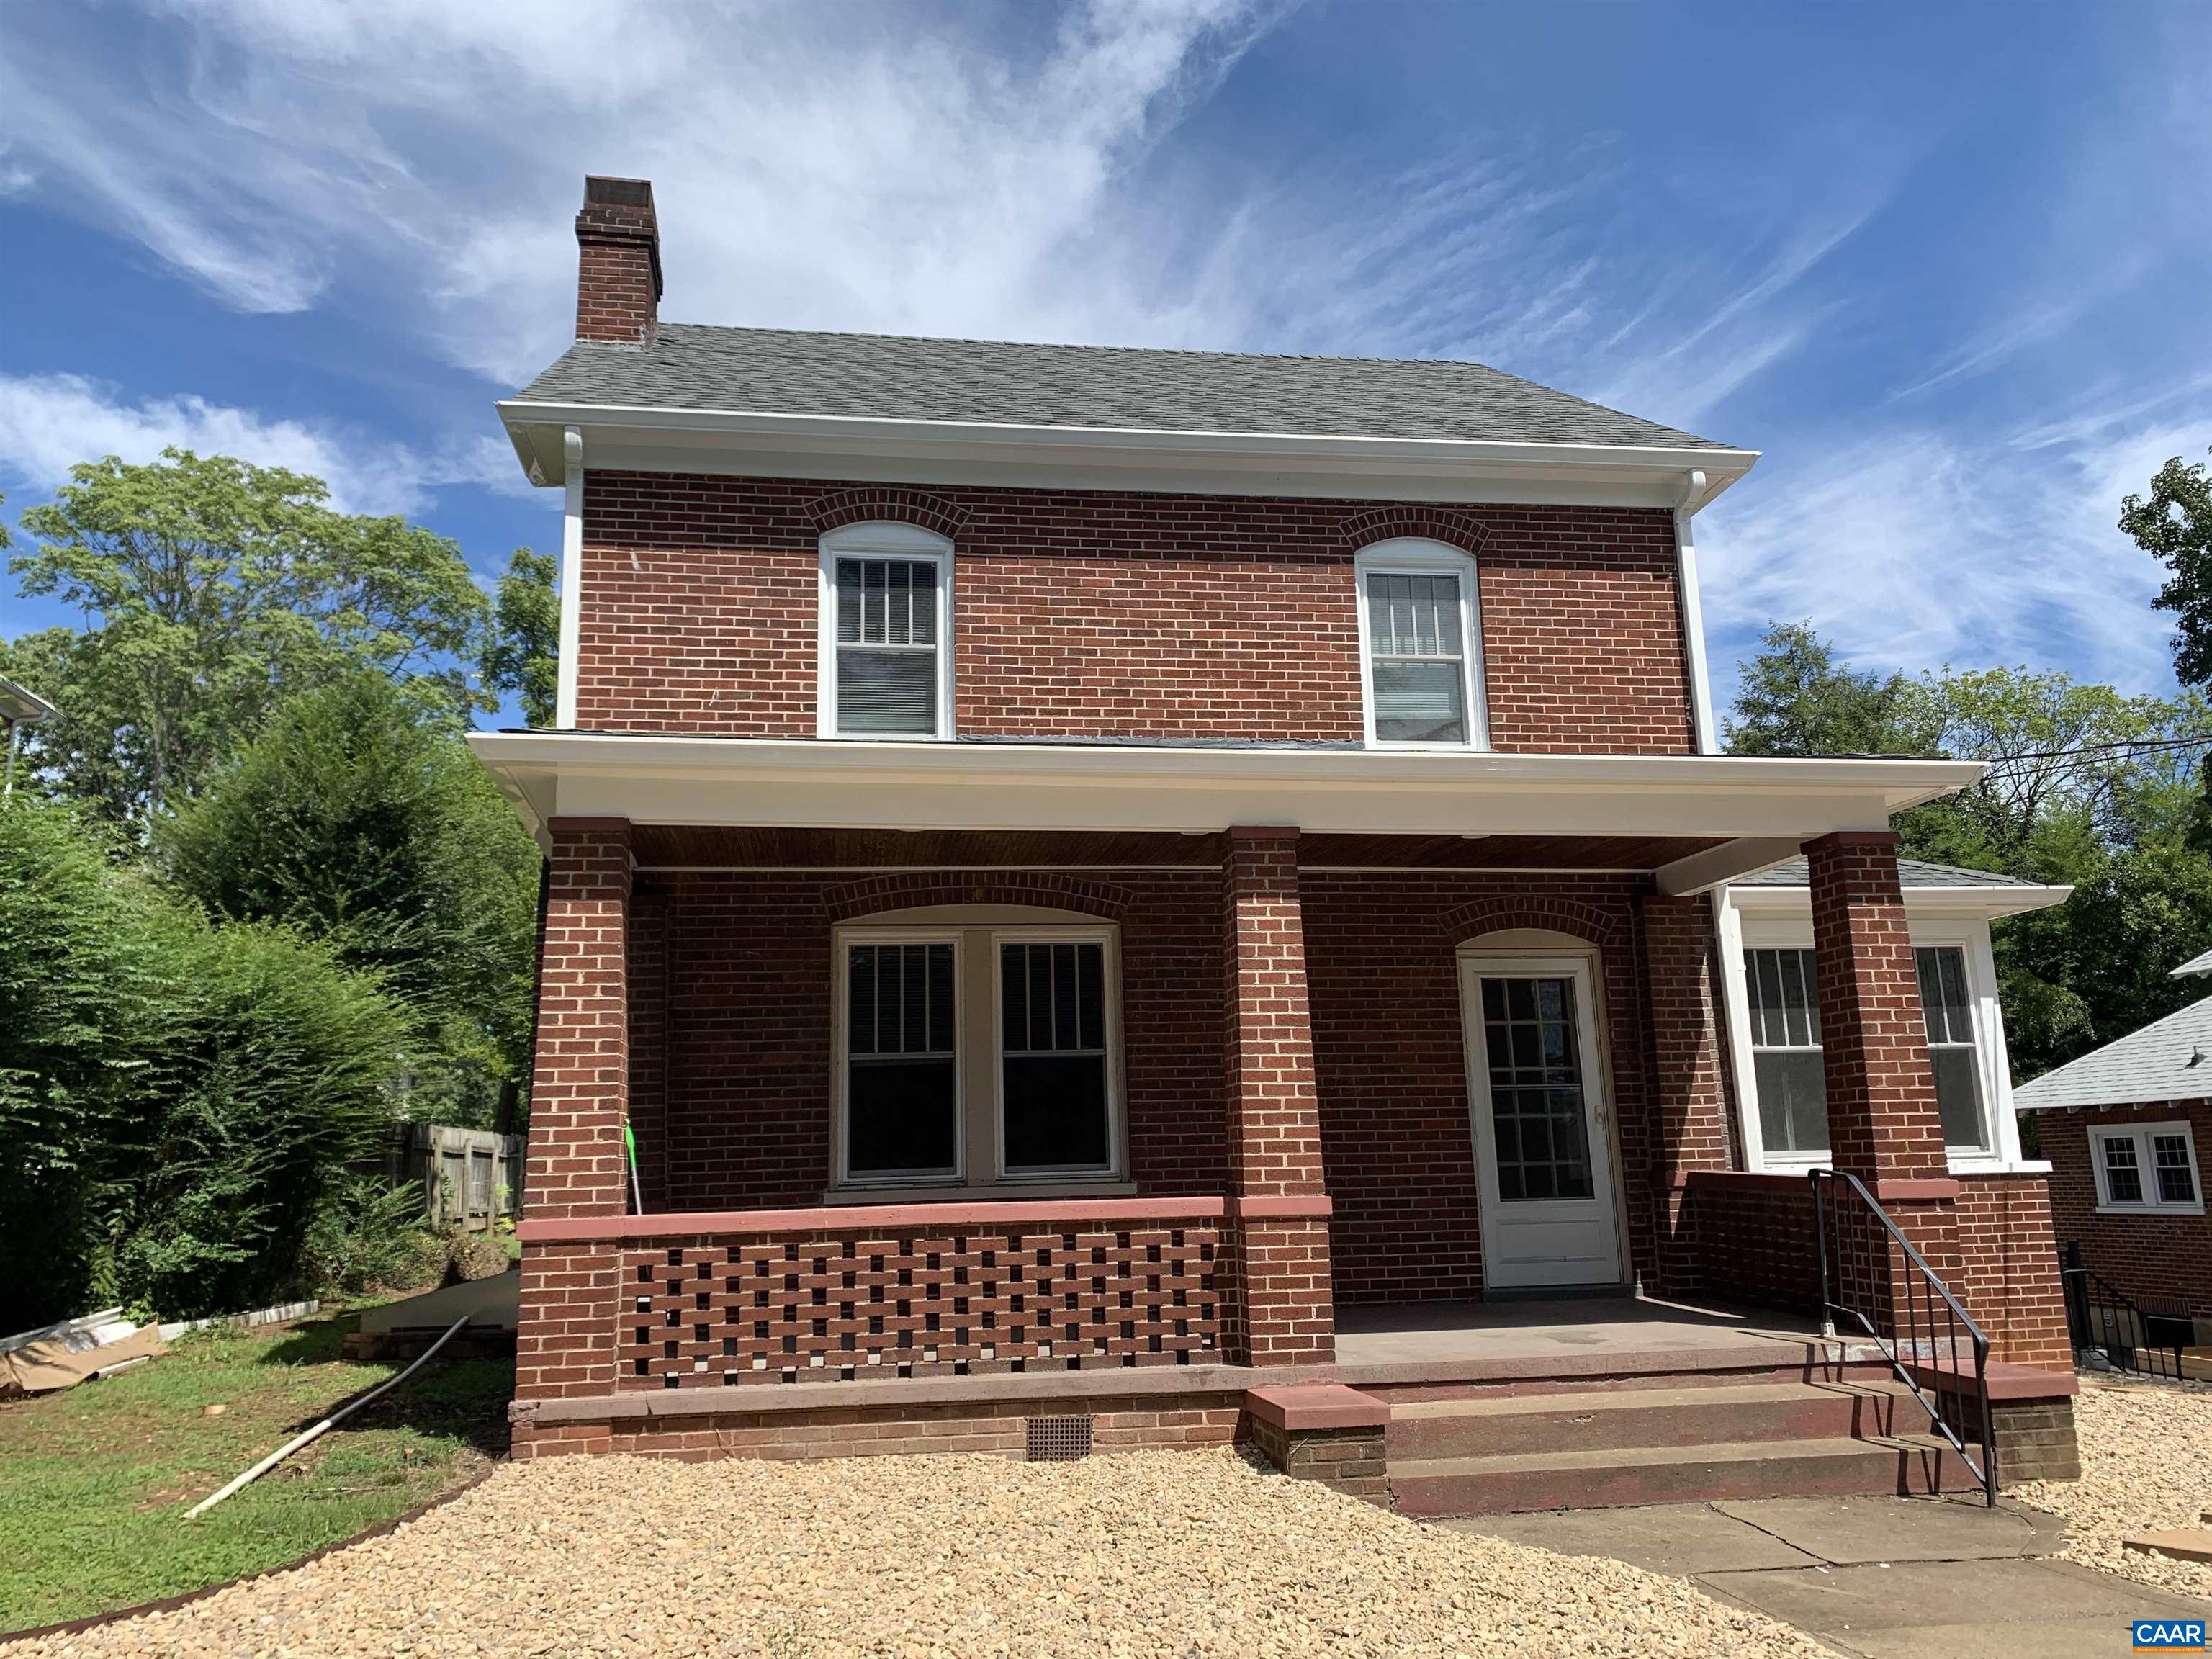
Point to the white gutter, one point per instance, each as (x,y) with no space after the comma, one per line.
(572,578)
(530,423)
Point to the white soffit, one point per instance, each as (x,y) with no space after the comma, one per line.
(752,443)
(1987,902)
(801,783)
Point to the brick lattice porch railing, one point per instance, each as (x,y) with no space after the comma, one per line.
(864,1293)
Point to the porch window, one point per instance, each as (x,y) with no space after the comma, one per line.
(977,1050)
(2147,1167)
(902,1083)
(1053,1059)
(1951,1051)
(1787,1068)
(1419,637)
(886,605)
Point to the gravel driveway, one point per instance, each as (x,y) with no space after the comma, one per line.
(2145,1466)
(1139,1554)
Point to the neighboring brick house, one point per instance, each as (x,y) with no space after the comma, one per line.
(1085,870)
(2121,1127)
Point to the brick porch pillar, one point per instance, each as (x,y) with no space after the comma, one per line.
(1883,1125)
(1279,1307)
(579,1093)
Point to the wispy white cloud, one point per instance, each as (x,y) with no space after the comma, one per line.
(49,422)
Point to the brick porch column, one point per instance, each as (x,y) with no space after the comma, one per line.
(1280,1309)
(1883,1125)
(578,1092)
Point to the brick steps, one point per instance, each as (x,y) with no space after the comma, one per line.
(1700,1415)
(1611,1477)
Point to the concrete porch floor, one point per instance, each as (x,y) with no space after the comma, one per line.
(1565,1336)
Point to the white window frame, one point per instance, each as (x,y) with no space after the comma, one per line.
(1107,939)
(879,539)
(2147,1165)
(841,1043)
(1743,931)
(1414,556)
(976,932)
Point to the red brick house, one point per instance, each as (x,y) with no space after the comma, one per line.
(1107,884)
(2122,1126)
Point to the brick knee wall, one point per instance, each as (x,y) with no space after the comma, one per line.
(1352,1460)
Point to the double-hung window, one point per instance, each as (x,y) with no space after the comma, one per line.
(1421,643)
(885,633)
(1788,1068)
(977,1051)
(2147,1167)
(1952,1054)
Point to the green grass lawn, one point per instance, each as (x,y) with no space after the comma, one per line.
(94,1482)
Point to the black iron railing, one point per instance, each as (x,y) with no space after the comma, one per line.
(1873,1281)
(2111,1329)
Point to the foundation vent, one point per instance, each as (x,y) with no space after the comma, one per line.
(1059,1439)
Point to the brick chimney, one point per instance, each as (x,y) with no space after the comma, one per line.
(618,262)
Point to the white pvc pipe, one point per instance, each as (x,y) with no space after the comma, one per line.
(323,1427)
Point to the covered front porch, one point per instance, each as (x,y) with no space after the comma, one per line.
(1117,1095)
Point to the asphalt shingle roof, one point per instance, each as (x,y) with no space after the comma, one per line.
(694,366)
(2169,1059)
(1910,873)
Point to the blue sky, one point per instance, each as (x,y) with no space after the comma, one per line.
(1944,265)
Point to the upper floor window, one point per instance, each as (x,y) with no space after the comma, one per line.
(1421,646)
(885,633)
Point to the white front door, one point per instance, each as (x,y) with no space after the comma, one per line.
(1542,1150)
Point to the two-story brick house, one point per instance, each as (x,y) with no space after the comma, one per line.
(1090,872)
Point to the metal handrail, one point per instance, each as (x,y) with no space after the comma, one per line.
(2088,1292)
(1855,1259)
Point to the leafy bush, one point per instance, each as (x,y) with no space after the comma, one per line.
(367,1236)
(176,1098)
(360,818)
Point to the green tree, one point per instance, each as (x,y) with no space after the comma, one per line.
(176,1099)
(210,588)
(359,818)
(523,652)
(1794,698)
(2174,525)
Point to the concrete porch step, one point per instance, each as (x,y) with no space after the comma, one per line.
(1613,1477)
(1706,1414)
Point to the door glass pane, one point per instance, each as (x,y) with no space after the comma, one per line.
(901,1095)
(1538,1113)
(1052,1024)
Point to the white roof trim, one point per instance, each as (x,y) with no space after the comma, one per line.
(811,782)
(650,438)
(1979,900)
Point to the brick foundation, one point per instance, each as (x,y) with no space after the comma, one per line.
(993,1428)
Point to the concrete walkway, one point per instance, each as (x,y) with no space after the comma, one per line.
(1883,1578)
